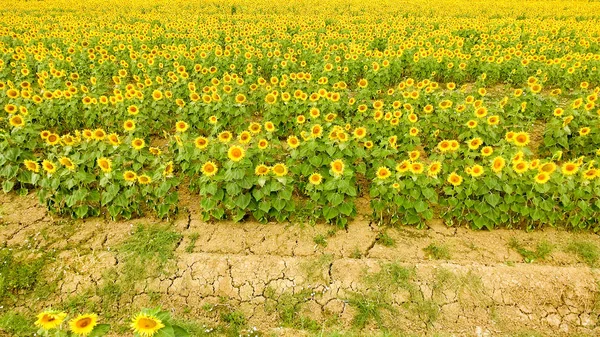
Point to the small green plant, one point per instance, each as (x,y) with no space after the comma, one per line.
(193,238)
(437,252)
(385,239)
(356,253)
(151,241)
(542,250)
(586,251)
(320,240)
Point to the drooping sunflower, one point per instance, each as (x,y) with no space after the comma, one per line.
(32,166)
(83,325)
(549,167)
(591,173)
(236,153)
(138,143)
(130,176)
(144,179)
(455,179)
(105,164)
(50,319)
(337,167)
(209,169)
(68,163)
(49,166)
(383,173)
(146,325)
(498,164)
(169,168)
(99,134)
(280,169)
(315,179)
(569,168)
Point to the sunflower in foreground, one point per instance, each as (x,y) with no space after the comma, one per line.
(455,179)
(83,324)
(235,153)
(209,169)
(337,167)
(280,169)
(50,319)
(383,173)
(146,325)
(32,166)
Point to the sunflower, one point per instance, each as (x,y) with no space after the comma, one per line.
(300,119)
(521,139)
(403,166)
(113,139)
(169,168)
(475,143)
(68,163)
(133,110)
(454,145)
(225,137)
(269,126)
(476,171)
(236,153)
(368,144)
(362,83)
(383,173)
(472,124)
(520,167)
(261,170)
(360,133)
(130,176)
(280,169)
(584,131)
(32,166)
(144,179)
(414,155)
(569,168)
(44,134)
(416,168)
(337,167)
(414,132)
(17,121)
(201,143)
(510,136)
(547,167)
(270,98)
(498,164)
(68,140)
(138,143)
(434,169)
(49,166)
(146,325)
(481,112)
(245,137)
(181,126)
(209,169)
(53,139)
(254,127)
(155,151)
(293,142)
(590,174)
(542,177)
(240,98)
(88,134)
(213,120)
(493,120)
(316,131)
(51,319)
(99,134)
(157,95)
(455,179)
(444,146)
(487,151)
(558,112)
(105,164)
(83,324)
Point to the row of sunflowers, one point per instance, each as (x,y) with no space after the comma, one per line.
(490,121)
(146,323)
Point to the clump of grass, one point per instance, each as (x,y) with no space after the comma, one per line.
(152,241)
(385,239)
(437,251)
(585,250)
(193,238)
(320,240)
(542,250)
(16,324)
(18,275)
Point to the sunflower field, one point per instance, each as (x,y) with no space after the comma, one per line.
(481,113)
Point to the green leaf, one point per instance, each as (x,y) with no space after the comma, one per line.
(100,330)
(243,200)
(492,199)
(180,332)
(420,206)
(7,186)
(330,213)
(167,331)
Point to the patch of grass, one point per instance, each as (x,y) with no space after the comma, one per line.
(586,251)
(193,238)
(356,253)
(385,239)
(320,240)
(437,251)
(152,241)
(316,270)
(16,324)
(542,250)
(288,307)
(19,275)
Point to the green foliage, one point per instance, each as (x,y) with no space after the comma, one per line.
(437,251)
(542,250)
(16,324)
(586,251)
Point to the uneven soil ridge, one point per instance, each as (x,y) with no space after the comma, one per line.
(441,279)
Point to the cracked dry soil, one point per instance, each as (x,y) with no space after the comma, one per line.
(483,287)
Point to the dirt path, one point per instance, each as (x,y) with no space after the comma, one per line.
(447,280)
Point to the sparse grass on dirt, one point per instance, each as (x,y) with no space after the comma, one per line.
(586,251)
(18,275)
(437,251)
(151,241)
(385,239)
(542,250)
(193,238)
(16,325)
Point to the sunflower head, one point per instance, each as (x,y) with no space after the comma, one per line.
(315,179)
(280,169)
(383,173)
(209,169)
(50,319)
(83,324)
(32,166)
(455,179)
(146,325)
(236,153)
(337,167)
